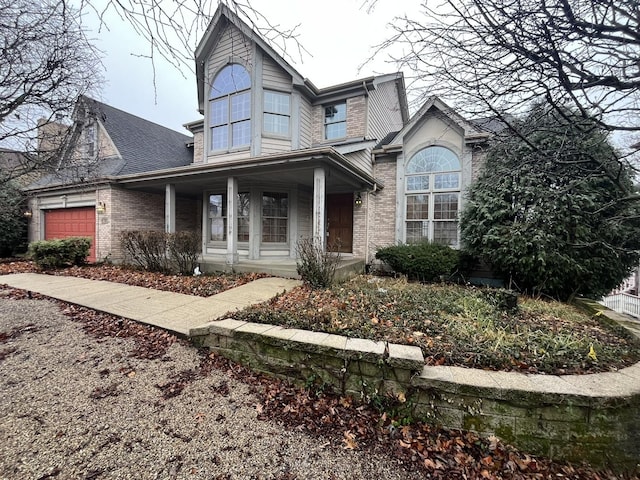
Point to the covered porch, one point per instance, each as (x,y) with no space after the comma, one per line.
(253,212)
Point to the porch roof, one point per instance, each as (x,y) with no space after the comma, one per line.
(293,167)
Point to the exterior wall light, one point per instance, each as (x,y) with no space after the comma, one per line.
(358,200)
(101,207)
(27,213)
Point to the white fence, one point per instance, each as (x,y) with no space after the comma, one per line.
(623,303)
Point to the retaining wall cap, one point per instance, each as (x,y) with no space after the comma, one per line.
(405,356)
(608,385)
(255,328)
(362,345)
(336,342)
(226,326)
(282,333)
(306,336)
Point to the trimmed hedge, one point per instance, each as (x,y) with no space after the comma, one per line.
(48,254)
(421,261)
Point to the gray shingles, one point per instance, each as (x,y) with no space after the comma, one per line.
(145,146)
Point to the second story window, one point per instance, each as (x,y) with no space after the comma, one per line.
(230,108)
(335,121)
(277,112)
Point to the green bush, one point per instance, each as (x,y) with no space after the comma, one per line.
(420,261)
(315,265)
(48,254)
(13,225)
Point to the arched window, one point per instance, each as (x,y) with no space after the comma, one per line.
(432,196)
(230,108)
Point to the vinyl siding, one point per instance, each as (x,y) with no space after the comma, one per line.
(231,46)
(275,145)
(361,159)
(274,76)
(384,110)
(305,123)
(305,198)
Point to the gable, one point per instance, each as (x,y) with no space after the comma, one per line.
(434,128)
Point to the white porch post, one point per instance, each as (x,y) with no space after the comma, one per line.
(170,208)
(232,220)
(319,190)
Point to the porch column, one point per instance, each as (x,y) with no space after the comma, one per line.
(319,191)
(232,220)
(170,208)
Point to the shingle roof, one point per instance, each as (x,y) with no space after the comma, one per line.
(388,137)
(144,146)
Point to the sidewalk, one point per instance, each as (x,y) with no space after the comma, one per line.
(175,312)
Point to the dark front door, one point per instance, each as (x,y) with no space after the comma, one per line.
(340,222)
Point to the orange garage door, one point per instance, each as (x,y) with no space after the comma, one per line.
(72,222)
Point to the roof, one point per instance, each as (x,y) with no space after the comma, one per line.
(386,140)
(143,145)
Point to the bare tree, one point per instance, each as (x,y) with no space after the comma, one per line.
(497,56)
(47,62)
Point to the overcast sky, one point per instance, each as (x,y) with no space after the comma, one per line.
(338,34)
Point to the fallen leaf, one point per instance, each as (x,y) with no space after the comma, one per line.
(350,441)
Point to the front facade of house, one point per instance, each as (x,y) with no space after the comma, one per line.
(273,160)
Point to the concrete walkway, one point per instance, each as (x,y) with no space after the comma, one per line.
(175,312)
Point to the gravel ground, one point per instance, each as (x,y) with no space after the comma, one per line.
(76,406)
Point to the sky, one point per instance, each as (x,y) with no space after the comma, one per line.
(338,34)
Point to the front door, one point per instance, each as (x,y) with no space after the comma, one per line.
(340,222)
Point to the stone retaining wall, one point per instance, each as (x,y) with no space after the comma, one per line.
(581,417)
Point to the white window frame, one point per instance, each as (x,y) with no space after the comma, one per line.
(228,98)
(426,186)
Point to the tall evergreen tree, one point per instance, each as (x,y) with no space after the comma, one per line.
(553,211)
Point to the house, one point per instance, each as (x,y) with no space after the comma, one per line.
(273,160)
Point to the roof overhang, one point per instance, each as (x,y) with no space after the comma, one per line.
(287,167)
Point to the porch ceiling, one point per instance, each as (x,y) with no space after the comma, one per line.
(269,170)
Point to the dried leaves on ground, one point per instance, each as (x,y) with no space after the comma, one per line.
(457,325)
(341,423)
(200,285)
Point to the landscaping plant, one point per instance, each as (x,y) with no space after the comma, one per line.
(316,265)
(421,261)
(554,211)
(48,254)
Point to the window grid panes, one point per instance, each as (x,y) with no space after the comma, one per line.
(230,109)
(335,121)
(275,217)
(243,217)
(432,198)
(218,217)
(277,112)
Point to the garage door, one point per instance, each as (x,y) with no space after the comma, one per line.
(72,222)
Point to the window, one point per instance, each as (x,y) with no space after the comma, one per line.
(335,121)
(243,217)
(230,108)
(90,141)
(432,196)
(275,217)
(218,217)
(277,112)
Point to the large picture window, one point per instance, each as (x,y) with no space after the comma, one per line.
(275,217)
(432,196)
(218,217)
(230,108)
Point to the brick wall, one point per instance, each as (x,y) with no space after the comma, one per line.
(382,230)
(356,119)
(198,147)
